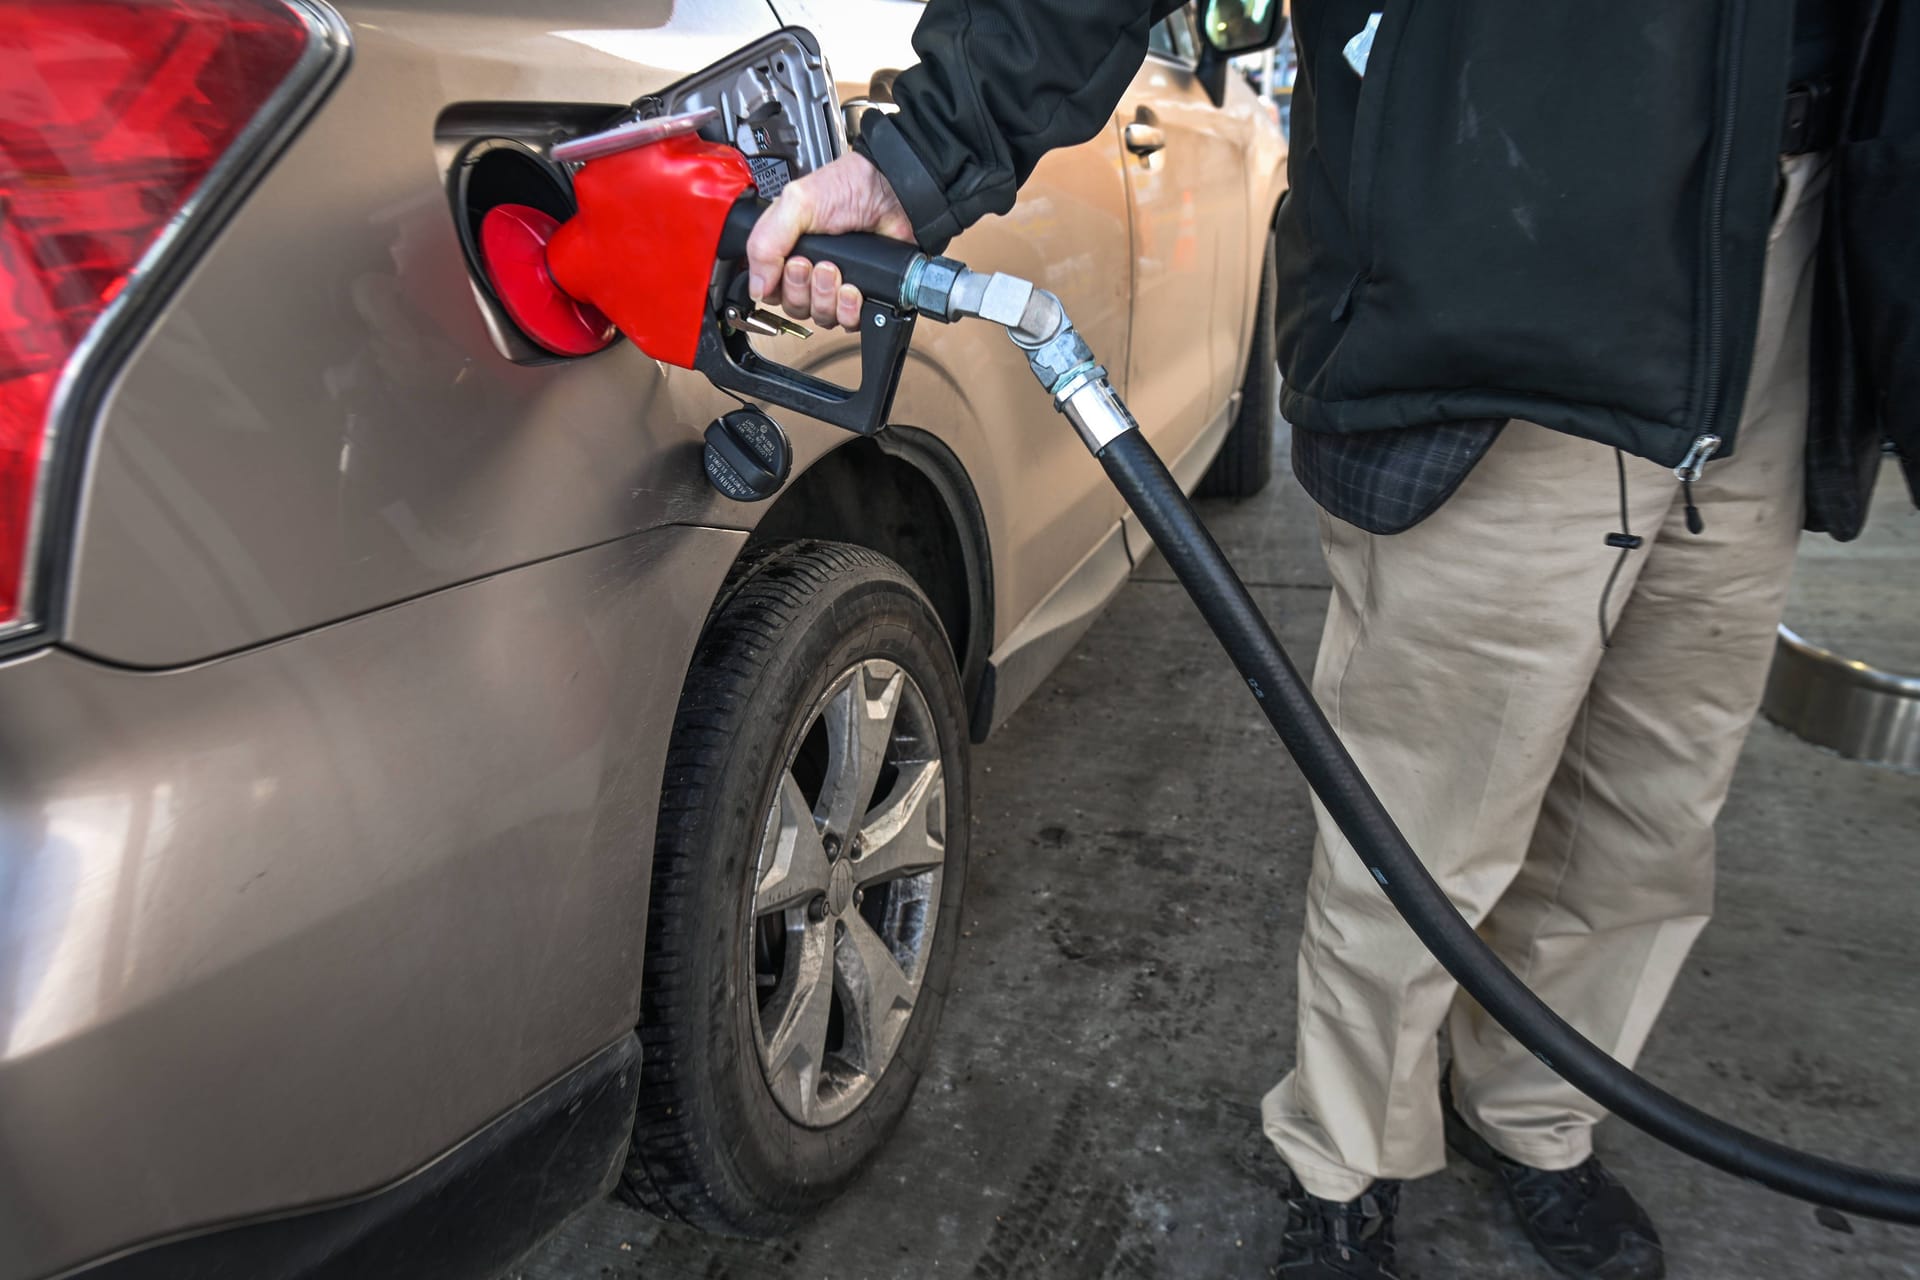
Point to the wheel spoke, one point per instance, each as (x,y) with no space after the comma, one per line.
(906,835)
(875,994)
(796,1019)
(859,726)
(793,863)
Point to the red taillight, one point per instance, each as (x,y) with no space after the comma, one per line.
(112,115)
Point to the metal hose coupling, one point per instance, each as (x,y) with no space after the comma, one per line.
(1066,367)
(1036,321)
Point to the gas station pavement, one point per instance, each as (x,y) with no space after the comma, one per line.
(1124,986)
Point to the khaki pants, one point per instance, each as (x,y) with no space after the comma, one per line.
(1563,793)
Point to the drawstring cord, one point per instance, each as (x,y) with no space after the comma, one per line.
(1695,525)
(1627,544)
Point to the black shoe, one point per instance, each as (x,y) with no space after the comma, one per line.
(1339,1240)
(1581,1220)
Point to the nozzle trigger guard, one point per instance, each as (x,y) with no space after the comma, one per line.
(728,359)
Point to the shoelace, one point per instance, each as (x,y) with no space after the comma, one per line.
(1540,1192)
(1363,1226)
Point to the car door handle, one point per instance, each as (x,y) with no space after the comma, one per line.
(1144,139)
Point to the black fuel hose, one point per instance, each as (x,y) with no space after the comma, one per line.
(1142,479)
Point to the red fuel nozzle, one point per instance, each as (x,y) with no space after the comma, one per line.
(638,254)
(654,219)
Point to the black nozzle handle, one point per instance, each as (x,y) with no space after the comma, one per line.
(875,265)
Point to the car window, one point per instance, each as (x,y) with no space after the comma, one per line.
(1186,34)
(1174,37)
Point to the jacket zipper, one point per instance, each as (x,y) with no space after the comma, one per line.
(1708,440)
(1704,447)
(1688,471)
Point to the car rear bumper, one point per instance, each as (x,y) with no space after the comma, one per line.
(277,929)
(467,1214)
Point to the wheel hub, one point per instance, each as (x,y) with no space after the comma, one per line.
(840,888)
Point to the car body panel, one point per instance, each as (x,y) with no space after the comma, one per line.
(318,425)
(1048,633)
(473,1209)
(1188,220)
(257,475)
(1201,210)
(1045,500)
(382,880)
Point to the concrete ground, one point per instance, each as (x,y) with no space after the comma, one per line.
(1124,991)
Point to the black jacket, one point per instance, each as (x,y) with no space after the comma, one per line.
(999,84)
(1866,350)
(1560,212)
(1556,212)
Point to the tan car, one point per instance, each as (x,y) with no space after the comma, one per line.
(425,803)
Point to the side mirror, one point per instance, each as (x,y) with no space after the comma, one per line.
(1229,28)
(1234,27)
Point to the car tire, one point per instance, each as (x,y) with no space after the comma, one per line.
(1245,461)
(756,1107)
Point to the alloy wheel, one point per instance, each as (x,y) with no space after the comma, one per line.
(847,892)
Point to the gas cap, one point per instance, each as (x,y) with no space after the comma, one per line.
(747,455)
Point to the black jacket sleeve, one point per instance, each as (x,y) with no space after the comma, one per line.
(1000,83)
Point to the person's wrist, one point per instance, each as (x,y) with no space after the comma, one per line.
(922,199)
(879,210)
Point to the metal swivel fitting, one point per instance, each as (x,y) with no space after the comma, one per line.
(1059,357)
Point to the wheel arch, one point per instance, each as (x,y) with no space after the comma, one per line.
(878,492)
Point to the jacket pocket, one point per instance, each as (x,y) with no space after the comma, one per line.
(1369,121)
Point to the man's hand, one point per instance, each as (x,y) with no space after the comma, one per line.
(847,195)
